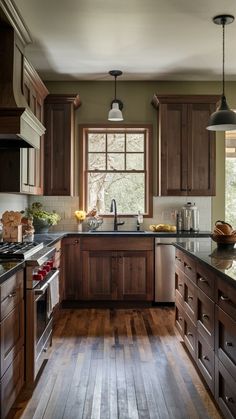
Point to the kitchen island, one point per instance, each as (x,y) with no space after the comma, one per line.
(205,314)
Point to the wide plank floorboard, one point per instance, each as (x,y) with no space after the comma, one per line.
(117,364)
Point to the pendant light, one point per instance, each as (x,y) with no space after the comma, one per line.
(223,119)
(115,113)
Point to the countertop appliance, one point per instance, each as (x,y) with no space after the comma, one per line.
(164,270)
(190,217)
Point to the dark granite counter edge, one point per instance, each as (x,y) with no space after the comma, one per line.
(212,268)
(51,238)
(4,276)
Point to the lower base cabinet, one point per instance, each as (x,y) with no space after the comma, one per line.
(11,383)
(12,341)
(117,275)
(205,317)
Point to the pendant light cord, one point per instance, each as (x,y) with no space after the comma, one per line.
(223,72)
(115,87)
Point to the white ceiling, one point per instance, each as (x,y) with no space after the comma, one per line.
(146,39)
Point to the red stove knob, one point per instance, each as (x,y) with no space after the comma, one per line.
(42,271)
(50,263)
(37,277)
(47,268)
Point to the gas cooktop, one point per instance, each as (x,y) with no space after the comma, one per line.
(22,250)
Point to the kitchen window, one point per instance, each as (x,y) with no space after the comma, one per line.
(115,163)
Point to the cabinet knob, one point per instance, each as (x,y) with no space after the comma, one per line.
(180,319)
(76,242)
(201,279)
(188,267)
(229,399)
(190,297)
(205,316)
(12,295)
(180,285)
(205,358)
(189,334)
(224,298)
(229,343)
(176,257)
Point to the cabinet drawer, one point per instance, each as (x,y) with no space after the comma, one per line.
(205,361)
(190,268)
(179,319)
(11,292)
(205,317)
(179,259)
(190,300)
(225,344)
(11,383)
(226,297)
(190,336)
(206,280)
(11,336)
(117,243)
(225,391)
(179,283)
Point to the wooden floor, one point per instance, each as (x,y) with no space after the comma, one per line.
(117,364)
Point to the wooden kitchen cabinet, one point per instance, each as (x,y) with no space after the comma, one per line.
(117,269)
(12,341)
(207,324)
(59,112)
(23,167)
(186,147)
(71,269)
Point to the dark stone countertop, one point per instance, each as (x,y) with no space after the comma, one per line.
(9,268)
(51,238)
(222,260)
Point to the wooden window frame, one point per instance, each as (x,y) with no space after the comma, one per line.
(83,130)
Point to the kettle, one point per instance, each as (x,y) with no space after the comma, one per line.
(190,217)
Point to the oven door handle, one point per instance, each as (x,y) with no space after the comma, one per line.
(41,290)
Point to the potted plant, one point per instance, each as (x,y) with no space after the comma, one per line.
(42,219)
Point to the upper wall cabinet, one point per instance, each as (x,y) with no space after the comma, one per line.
(186,147)
(59,119)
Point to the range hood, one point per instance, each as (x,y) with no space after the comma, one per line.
(19,127)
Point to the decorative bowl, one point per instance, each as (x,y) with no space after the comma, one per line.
(224,240)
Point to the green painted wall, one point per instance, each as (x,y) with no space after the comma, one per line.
(136,96)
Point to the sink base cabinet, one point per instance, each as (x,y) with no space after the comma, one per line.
(117,275)
(108,269)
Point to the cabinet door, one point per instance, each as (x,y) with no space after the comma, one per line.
(201,151)
(59,144)
(71,269)
(99,275)
(173,149)
(135,275)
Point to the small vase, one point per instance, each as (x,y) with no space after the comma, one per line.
(80,227)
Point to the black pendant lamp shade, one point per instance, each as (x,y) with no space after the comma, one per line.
(223,119)
(115,113)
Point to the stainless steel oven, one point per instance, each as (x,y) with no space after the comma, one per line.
(41,281)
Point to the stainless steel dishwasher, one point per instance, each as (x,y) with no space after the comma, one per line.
(164,270)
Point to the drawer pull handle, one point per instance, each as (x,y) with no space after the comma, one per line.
(189,334)
(11,295)
(228,343)
(188,267)
(180,319)
(177,258)
(201,279)
(229,399)
(223,298)
(190,297)
(205,358)
(205,316)
(180,285)
(76,242)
